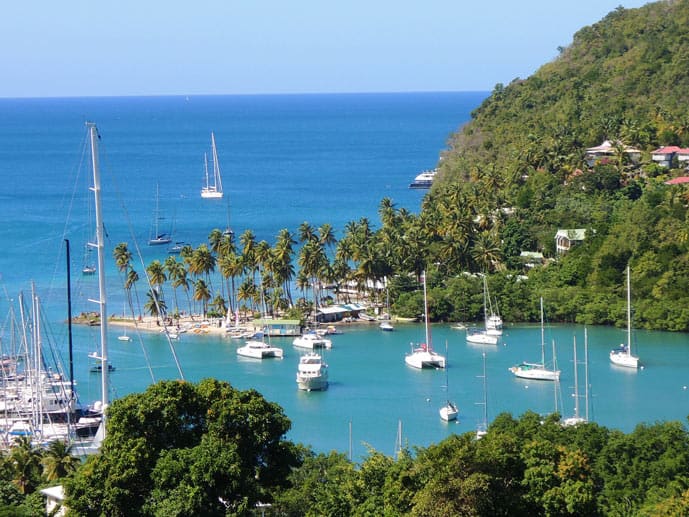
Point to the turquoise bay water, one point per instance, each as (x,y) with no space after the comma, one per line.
(285,160)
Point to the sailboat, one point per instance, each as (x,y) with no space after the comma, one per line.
(493,318)
(212,190)
(450,410)
(124,336)
(158,236)
(622,355)
(484,337)
(577,418)
(423,356)
(385,325)
(482,428)
(537,371)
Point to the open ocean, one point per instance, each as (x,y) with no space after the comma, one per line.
(285,159)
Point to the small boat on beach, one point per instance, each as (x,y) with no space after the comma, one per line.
(312,373)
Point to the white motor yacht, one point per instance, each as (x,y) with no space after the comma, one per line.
(312,341)
(312,372)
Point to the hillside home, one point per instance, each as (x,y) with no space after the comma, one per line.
(664,155)
(565,239)
(607,150)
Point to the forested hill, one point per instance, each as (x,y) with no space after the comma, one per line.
(518,172)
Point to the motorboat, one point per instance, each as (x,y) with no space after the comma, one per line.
(259,350)
(312,372)
(424,179)
(312,341)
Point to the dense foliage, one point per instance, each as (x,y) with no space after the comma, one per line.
(525,466)
(183,449)
(186,449)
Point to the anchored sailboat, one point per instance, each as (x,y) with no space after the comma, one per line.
(423,356)
(537,371)
(158,236)
(212,189)
(622,355)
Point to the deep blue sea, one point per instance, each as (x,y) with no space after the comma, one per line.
(285,159)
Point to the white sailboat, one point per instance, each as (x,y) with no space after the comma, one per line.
(622,355)
(212,189)
(158,236)
(578,418)
(537,371)
(491,334)
(482,428)
(493,318)
(450,410)
(423,355)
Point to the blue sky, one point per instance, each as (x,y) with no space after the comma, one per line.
(156,47)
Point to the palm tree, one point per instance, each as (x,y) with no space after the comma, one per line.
(283,253)
(177,274)
(202,262)
(202,294)
(156,274)
(26,462)
(155,306)
(58,461)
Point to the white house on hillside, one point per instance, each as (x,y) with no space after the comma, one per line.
(565,239)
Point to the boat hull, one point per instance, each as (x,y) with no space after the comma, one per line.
(449,412)
(535,372)
(312,342)
(211,194)
(482,338)
(425,359)
(621,358)
(259,351)
(312,373)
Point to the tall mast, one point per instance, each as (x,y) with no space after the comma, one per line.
(629,313)
(576,381)
(425,313)
(542,336)
(99,245)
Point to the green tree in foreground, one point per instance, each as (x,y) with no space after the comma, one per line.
(186,449)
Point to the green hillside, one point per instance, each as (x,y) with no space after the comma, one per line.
(517,172)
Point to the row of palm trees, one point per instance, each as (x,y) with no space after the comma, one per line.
(227,275)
